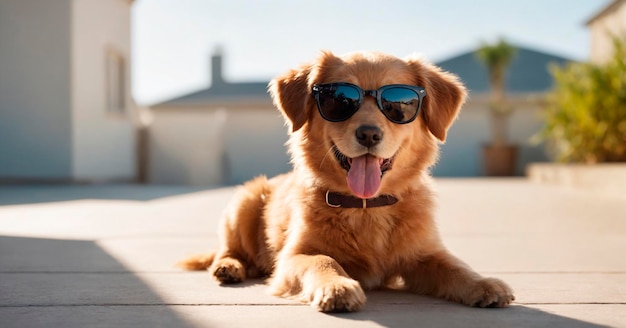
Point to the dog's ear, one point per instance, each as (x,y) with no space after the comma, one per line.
(445,95)
(290,93)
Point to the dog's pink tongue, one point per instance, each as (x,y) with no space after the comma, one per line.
(364,176)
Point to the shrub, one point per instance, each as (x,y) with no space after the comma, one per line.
(585,112)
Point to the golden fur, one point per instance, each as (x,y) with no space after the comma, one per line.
(283,229)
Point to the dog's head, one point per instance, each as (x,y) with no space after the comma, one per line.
(366,154)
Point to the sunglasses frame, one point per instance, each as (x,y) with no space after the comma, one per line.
(377,94)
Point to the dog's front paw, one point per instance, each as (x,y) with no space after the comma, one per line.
(228,271)
(489,292)
(339,295)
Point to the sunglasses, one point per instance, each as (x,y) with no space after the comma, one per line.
(337,102)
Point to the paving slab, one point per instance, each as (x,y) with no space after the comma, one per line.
(104,256)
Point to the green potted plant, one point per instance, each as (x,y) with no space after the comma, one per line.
(499,156)
(585,113)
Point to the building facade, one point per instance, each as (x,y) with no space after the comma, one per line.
(607,23)
(66,112)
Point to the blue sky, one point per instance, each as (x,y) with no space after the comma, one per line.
(173,39)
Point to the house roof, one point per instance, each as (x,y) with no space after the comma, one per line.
(609,8)
(221,91)
(527,73)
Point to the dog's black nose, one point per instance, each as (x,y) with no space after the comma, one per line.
(369,136)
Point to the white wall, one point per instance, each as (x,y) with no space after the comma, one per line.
(35,124)
(53,122)
(200,146)
(185,147)
(255,144)
(601,30)
(103,142)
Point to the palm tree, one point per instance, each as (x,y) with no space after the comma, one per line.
(496,58)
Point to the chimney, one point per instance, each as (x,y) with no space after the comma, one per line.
(216,68)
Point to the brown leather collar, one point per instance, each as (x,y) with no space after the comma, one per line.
(334,199)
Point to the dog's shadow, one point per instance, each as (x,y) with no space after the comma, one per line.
(391,308)
(248,283)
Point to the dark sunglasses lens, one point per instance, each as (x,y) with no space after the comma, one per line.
(338,102)
(399,104)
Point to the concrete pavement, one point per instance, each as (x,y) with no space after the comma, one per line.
(103,256)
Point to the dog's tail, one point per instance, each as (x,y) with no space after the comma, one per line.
(197,262)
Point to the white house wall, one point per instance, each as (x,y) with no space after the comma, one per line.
(216,147)
(601,31)
(185,147)
(35,124)
(103,142)
(254,143)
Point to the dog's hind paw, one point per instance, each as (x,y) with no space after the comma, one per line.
(228,271)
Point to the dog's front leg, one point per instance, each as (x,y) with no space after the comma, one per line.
(318,280)
(443,275)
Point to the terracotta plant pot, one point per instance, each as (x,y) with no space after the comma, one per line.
(499,160)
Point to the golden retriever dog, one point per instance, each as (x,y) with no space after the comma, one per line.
(356,211)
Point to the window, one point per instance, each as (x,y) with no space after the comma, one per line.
(115,82)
